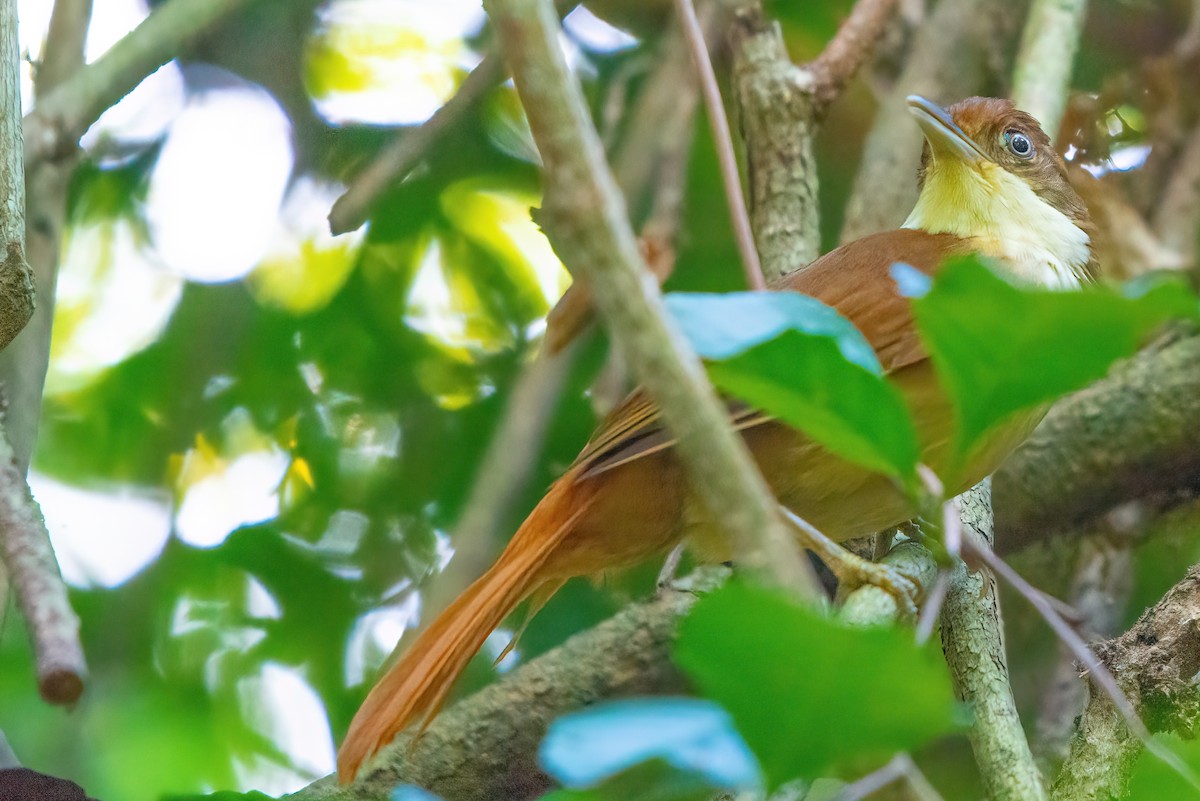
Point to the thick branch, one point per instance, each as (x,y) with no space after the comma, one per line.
(479,749)
(779,106)
(584,211)
(1132,434)
(1100,591)
(1042,78)
(778,121)
(972,638)
(1155,663)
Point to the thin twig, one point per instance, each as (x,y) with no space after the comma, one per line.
(54,127)
(723,141)
(932,608)
(586,217)
(901,766)
(394,162)
(1042,77)
(849,49)
(398,158)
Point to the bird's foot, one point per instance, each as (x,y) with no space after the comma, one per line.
(854,571)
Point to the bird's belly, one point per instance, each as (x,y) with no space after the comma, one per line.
(844,500)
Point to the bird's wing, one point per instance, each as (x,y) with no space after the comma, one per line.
(856,280)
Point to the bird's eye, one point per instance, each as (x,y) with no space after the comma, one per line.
(1019,144)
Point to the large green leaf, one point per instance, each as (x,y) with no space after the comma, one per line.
(999,348)
(807,693)
(796,358)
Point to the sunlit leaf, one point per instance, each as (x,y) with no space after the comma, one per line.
(806,692)
(305,266)
(799,360)
(690,734)
(999,348)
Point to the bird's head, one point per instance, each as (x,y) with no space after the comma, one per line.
(989,174)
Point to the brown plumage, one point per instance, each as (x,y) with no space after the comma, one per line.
(626,497)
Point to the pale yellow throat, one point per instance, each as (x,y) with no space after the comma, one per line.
(1005,219)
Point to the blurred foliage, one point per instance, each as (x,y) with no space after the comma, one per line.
(315,427)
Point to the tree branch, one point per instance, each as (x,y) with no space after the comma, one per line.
(478,750)
(778,120)
(1155,665)
(973,641)
(402,154)
(849,49)
(53,129)
(1135,433)
(28,555)
(1042,78)
(584,212)
(41,594)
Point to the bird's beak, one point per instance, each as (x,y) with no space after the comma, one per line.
(945,138)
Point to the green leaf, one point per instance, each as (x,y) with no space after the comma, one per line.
(807,693)
(797,359)
(1153,779)
(999,348)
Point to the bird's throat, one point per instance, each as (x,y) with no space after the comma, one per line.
(1002,217)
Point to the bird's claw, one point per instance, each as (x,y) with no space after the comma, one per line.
(853,572)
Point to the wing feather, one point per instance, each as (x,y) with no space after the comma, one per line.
(856,280)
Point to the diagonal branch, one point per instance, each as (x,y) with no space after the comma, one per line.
(849,49)
(584,211)
(53,129)
(401,155)
(24,541)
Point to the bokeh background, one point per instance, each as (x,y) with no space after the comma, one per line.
(258,438)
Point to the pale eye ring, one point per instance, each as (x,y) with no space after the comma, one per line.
(1018,144)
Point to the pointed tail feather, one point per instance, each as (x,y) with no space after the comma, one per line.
(416,686)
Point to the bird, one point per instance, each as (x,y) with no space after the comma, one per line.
(991,183)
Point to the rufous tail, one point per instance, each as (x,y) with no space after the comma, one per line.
(416,686)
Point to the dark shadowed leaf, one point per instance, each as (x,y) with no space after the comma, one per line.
(807,693)
(799,360)
(999,348)
(689,734)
